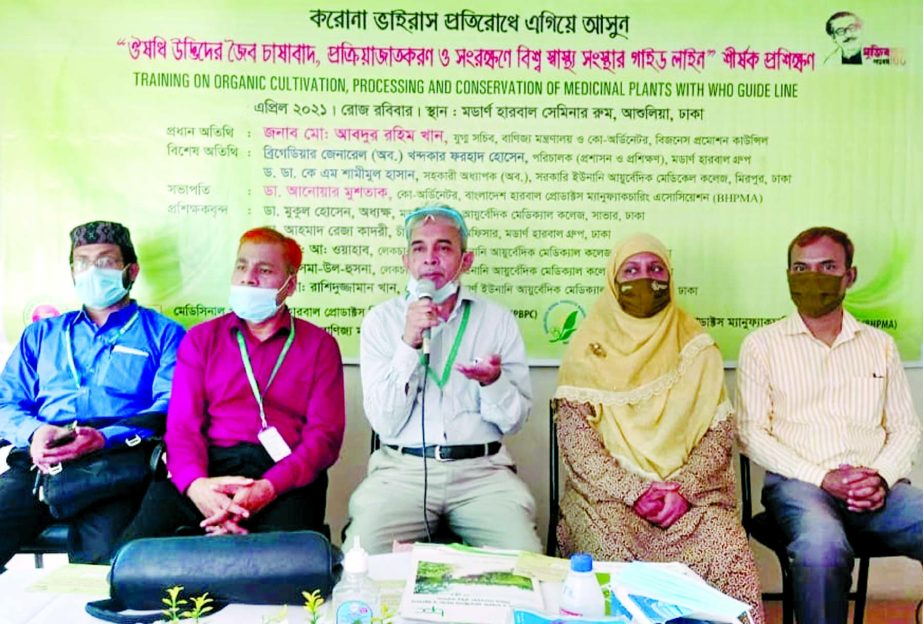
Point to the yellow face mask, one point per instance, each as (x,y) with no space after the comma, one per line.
(643,298)
(815,294)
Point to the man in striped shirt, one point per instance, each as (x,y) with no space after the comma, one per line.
(824,405)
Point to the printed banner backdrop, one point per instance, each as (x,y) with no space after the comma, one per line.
(722,127)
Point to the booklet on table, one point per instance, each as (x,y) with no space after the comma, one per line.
(466,585)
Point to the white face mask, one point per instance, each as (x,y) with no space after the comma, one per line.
(255,304)
(100,288)
(441,294)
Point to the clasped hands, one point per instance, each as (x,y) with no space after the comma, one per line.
(661,504)
(226,502)
(860,487)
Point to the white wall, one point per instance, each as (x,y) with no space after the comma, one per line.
(889,578)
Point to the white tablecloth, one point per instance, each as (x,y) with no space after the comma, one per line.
(19,605)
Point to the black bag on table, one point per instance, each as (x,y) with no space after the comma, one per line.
(259,568)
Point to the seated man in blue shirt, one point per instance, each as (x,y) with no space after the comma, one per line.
(91,379)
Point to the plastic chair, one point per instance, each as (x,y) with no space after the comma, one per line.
(551,541)
(51,541)
(763,528)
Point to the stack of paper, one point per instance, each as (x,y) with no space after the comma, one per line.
(522,616)
(466,585)
(487,586)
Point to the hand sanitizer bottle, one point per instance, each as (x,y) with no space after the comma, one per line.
(355,597)
(581,594)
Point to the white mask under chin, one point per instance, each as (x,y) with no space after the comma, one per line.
(255,304)
(439,295)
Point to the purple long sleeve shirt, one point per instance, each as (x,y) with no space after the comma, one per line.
(212,404)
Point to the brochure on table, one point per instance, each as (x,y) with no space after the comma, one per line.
(466,585)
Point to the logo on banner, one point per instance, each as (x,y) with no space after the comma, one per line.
(42,307)
(845,29)
(561,320)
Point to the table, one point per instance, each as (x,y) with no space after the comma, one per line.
(18,605)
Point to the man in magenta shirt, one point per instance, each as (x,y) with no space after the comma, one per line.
(256,414)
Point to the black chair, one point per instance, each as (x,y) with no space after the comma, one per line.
(551,540)
(919,611)
(51,541)
(763,528)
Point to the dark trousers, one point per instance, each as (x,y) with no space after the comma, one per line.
(819,528)
(166,512)
(92,535)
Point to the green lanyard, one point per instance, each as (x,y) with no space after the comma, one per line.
(109,342)
(247,367)
(442,381)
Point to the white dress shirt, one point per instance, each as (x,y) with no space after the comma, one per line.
(804,407)
(463,411)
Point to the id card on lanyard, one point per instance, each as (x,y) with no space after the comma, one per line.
(268,436)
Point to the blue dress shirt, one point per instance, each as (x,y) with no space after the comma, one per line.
(121,369)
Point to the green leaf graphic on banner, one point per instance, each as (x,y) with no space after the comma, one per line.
(879,302)
(569,327)
(551,154)
(874,298)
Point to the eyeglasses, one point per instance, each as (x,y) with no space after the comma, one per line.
(436,211)
(79,265)
(839,32)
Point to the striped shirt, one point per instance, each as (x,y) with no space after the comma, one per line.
(804,408)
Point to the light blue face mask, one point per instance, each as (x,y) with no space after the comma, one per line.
(100,288)
(684,596)
(255,304)
(439,295)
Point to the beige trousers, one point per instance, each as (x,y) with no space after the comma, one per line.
(482,500)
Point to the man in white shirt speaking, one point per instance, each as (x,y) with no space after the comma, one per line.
(824,405)
(444,378)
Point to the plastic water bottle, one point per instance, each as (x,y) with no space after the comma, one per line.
(581,594)
(355,597)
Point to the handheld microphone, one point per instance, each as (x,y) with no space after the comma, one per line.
(426,289)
